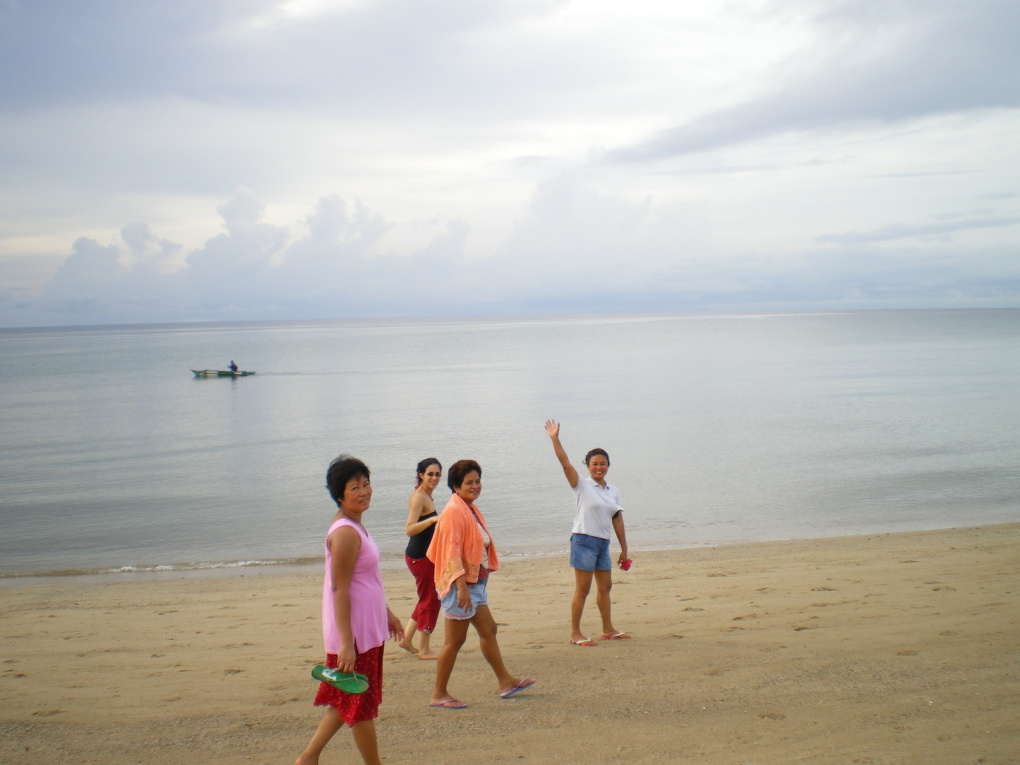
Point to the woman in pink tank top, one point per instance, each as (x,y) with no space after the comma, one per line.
(355,618)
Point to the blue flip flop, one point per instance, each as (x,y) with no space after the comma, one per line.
(522,685)
(449,704)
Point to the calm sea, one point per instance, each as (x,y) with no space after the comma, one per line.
(721,428)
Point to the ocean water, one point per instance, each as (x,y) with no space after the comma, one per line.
(721,428)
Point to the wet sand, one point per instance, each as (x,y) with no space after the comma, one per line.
(895,648)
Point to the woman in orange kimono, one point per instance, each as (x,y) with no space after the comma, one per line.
(463,553)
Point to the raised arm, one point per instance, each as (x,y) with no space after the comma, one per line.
(553,429)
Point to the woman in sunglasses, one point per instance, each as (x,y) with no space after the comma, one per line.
(420,526)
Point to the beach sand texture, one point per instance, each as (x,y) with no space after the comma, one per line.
(895,648)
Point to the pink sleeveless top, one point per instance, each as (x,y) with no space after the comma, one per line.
(369,624)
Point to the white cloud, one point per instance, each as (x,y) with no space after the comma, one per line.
(502,156)
(869,62)
(941,230)
(576,249)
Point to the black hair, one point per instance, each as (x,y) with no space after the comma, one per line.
(459,470)
(340,471)
(423,466)
(593,452)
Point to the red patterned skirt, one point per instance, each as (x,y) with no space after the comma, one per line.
(354,708)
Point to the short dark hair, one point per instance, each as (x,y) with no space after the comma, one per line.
(458,470)
(593,452)
(423,466)
(340,471)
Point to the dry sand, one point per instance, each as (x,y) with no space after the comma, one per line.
(896,648)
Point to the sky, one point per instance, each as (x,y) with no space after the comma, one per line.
(218,160)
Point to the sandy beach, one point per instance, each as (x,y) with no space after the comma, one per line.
(896,648)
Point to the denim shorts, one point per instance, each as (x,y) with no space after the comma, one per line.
(478,598)
(589,553)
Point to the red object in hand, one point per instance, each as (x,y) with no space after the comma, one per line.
(626,564)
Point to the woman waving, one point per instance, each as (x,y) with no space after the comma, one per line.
(598,515)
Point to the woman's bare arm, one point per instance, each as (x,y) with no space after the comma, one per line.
(415,507)
(344,545)
(553,429)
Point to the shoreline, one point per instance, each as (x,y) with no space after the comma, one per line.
(885,648)
(389,560)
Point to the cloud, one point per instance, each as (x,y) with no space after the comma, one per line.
(868,62)
(449,157)
(577,239)
(94,286)
(252,269)
(917,231)
(381,56)
(576,249)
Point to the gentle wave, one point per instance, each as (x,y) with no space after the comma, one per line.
(387,561)
(163,568)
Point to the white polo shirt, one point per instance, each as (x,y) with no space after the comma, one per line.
(595,508)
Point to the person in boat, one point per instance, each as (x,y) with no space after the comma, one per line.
(464,554)
(233,366)
(598,515)
(355,618)
(420,526)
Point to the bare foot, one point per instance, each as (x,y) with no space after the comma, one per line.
(428,656)
(305,759)
(406,645)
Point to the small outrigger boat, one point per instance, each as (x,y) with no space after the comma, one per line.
(220,373)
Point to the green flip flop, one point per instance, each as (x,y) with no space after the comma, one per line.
(348,683)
